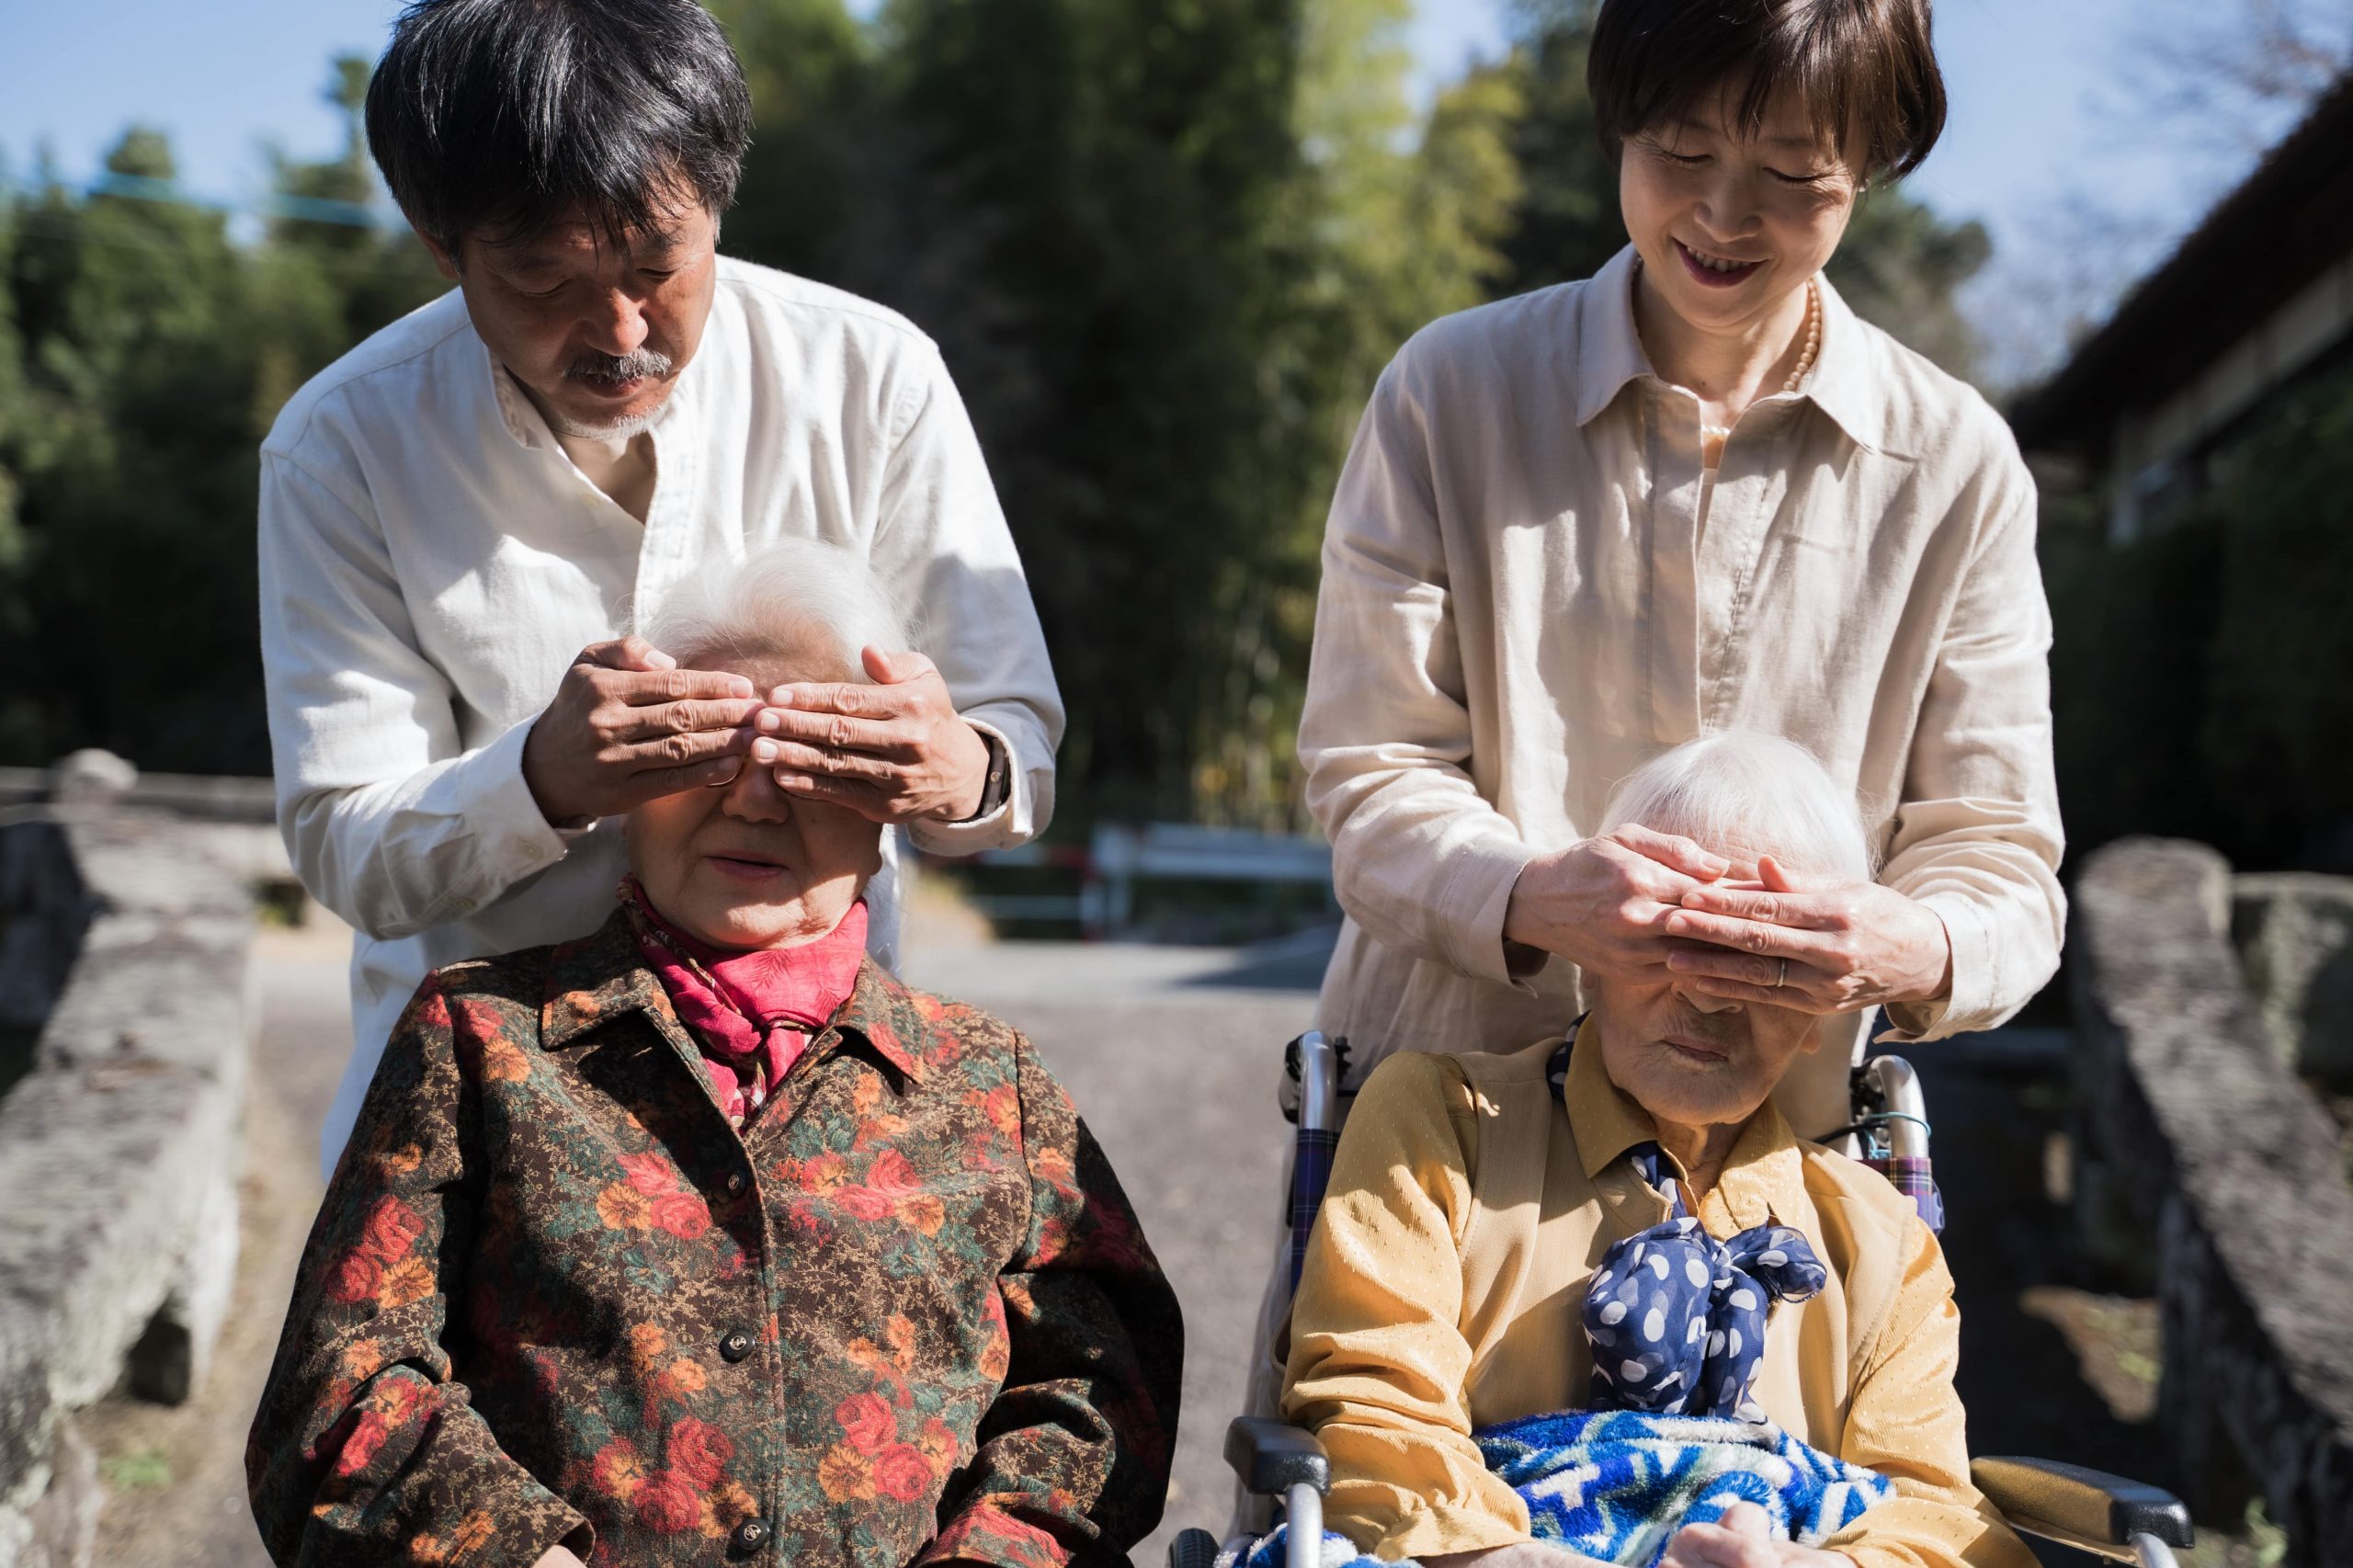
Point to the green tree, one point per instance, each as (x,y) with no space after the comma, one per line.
(137,453)
(2280,705)
(1166,246)
(1567,225)
(147,356)
(336,238)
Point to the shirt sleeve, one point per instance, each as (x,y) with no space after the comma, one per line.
(1905,1422)
(365,1445)
(942,532)
(391,822)
(1074,1454)
(1978,835)
(1378,1360)
(1420,860)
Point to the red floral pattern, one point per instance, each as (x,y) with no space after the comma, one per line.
(552,1295)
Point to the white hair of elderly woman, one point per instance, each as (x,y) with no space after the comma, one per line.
(1742,794)
(793,596)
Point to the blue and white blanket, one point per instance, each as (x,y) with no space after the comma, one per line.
(1615,1485)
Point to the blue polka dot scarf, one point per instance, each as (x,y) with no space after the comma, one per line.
(1677,1318)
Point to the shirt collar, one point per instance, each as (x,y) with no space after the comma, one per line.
(519,415)
(598,977)
(1843,384)
(1764,1178)
(1846,383)
(1610,350)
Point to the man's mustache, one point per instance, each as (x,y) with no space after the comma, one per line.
(643,363)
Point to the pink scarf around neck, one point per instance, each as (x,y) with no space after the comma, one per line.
(753,1013)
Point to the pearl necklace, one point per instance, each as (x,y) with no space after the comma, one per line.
(1805,359)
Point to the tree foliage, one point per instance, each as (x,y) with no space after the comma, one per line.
(2198,672)
(1166,246)
(144,357)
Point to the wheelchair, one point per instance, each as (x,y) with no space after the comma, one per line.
(2122,1520)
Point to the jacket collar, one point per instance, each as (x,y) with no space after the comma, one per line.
(1845,383)
(601,976)
(1763,1179)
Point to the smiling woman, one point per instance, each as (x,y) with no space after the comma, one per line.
(1692,494)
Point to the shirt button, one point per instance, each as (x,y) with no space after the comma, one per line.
(735,1345)
(735,1181)
(751,1535)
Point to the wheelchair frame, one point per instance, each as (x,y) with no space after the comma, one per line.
(2122,1520)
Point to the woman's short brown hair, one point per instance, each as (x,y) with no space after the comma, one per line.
(1861,67)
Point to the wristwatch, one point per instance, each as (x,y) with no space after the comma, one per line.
(1000,779)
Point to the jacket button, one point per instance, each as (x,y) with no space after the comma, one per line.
(751,1535)
(735,1181)
(735,1345)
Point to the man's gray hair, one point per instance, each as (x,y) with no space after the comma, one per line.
(1742,794)
(799,596)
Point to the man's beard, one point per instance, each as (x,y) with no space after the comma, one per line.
(592,369)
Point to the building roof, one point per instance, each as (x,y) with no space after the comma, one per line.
(2291,221)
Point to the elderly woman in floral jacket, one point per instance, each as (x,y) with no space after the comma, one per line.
(704,1239)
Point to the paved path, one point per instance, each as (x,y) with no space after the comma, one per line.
(1170,1053)
(176,1475)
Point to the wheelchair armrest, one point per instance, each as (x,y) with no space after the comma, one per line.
(2085,1509)
(1273,1456)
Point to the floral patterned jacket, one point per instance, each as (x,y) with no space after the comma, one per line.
(907,1317)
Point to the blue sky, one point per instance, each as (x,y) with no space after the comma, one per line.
(2029,148)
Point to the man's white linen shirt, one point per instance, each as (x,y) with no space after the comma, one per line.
(1529,592)
(432,562)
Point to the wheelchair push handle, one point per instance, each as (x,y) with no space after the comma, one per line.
(1315,1059)
(1271,1457)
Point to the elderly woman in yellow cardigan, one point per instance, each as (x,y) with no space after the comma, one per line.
(1487,1252)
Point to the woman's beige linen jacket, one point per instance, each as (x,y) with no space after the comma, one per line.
(1527,593)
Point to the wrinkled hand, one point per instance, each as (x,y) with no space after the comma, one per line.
(1743,1538)
(1603,903)
(893,751)
(558,1557)
(1849,945)
(628,725)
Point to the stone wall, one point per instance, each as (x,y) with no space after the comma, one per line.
(124,950)
(2294,934)
(2193,1124)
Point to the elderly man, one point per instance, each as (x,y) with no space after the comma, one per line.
(1622,1222)
(460,517)
(703,1238)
